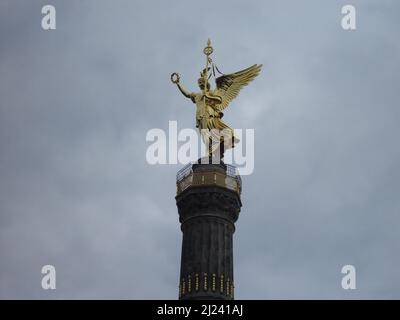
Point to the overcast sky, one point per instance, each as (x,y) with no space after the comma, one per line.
(76,103)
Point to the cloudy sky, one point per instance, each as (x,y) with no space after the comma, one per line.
(76,103)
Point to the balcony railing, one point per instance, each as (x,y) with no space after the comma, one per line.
(186,178)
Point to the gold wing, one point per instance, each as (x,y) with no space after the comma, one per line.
(229,85)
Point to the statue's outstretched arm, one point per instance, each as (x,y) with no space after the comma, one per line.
(186,93)
(175,79)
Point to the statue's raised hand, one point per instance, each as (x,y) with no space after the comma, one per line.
(175,78)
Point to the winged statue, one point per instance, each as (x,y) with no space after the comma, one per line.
(210,103)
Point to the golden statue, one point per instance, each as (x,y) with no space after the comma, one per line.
(211,102)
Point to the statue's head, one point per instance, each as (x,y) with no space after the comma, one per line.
(202,82)
(202,85)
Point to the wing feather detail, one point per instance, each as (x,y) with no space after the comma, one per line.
(229,85)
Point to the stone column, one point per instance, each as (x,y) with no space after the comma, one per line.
(208,200)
